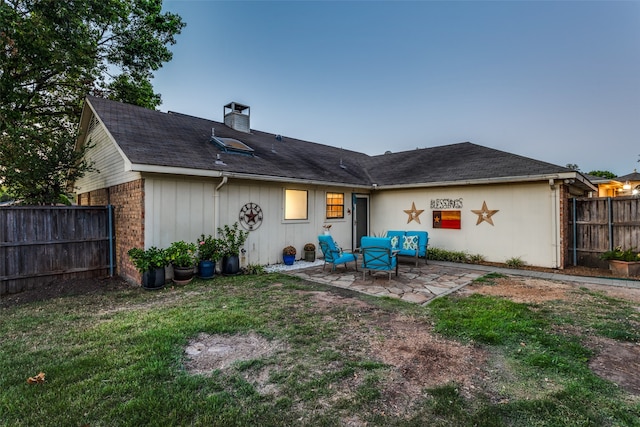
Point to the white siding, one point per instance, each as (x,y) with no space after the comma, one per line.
(108,162)
(525,226)
(182,209)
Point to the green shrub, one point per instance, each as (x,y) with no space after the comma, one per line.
(515,262)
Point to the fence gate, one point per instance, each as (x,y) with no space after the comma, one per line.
(42,244)
(600,224)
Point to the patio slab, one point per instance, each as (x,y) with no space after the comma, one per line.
(418,285)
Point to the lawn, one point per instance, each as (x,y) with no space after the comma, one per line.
(272,350)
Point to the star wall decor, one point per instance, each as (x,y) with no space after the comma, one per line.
(484,214)
(413,213)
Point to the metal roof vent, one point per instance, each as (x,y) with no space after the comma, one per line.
(236,116)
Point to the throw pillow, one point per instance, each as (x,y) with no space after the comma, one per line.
(338,248)
(410,243)
(394,242)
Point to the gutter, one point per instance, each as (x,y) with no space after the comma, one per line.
(134,167)
(567,176)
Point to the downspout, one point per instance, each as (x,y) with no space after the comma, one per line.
(216,204)
(555,217)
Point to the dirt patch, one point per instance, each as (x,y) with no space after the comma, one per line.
(66,288)
(424,360)
(616,361)
(207,353)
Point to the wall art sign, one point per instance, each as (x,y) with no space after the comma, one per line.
(446,203)
(485,214)
(446,219)
(250,216)
(414,214)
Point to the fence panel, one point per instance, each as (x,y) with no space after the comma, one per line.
(41,244)
(600,224)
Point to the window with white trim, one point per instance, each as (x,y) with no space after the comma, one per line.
(296,204)
(335,205)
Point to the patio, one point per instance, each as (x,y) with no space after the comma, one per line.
(413,284)
(422,284)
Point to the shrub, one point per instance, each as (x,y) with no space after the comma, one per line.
(515,262)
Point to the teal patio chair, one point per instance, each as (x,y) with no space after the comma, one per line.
(378,255)
(333,255)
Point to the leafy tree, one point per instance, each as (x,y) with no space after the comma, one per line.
(52,54)
(572,166)
(603,174)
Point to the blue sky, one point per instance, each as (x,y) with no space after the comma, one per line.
(555,81)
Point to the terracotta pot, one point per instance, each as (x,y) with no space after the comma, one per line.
(625,268)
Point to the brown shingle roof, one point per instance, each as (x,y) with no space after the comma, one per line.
(149,137)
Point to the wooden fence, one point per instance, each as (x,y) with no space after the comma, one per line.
(41,244)
(600,224)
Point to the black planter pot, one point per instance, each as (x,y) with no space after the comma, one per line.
(230,265)
(153,279)
(182,275)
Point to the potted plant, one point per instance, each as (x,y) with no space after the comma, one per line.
(231,239)
(310,252)
(182,256)
(624,262)
(150,263)
(209,252)
(289,255)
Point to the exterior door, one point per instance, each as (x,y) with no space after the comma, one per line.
(360,218)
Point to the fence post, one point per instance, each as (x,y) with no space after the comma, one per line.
(110,221)
(610,221)
(575,233)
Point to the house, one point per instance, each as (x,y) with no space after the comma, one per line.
(621,186)
(173,177)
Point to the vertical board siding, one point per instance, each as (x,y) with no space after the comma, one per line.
(599,228)
(41,244)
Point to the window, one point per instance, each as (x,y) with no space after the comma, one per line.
(295,204)
(335,205)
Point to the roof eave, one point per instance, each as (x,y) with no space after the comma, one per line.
(571,178)
(210,173)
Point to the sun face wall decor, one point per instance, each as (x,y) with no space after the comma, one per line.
(485,214)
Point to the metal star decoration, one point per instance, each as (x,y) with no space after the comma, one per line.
(413,213)
(484,214)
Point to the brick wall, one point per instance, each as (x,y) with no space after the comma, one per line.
(565,260)
(128,208)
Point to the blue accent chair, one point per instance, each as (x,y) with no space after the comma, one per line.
(333,255)
(378,255)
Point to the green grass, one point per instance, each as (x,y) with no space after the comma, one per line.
(116,359)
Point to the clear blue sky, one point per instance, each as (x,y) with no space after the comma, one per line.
(555,81)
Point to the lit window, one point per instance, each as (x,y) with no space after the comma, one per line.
(335,205)
(295,204)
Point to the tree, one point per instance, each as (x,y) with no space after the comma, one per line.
(52,54)
(573,166)
(603,174)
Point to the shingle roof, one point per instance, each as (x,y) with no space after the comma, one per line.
(633,176)
(149,137)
